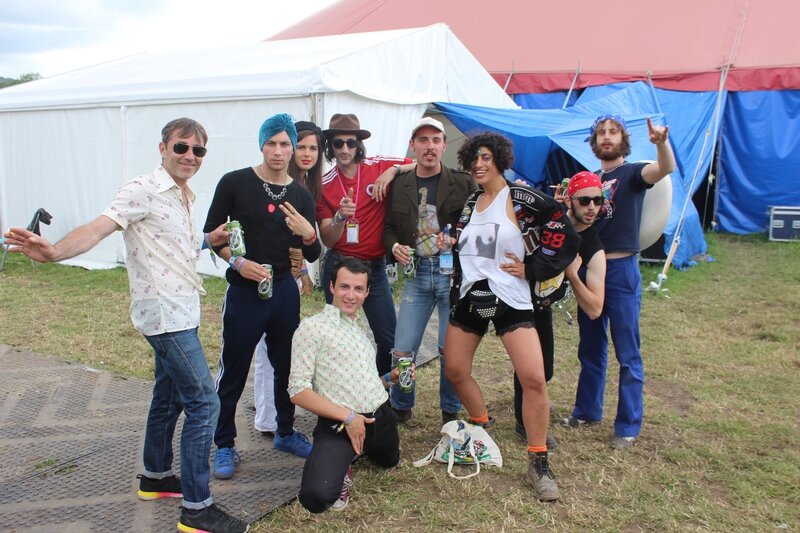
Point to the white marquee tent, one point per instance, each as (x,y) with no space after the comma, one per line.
(68,142)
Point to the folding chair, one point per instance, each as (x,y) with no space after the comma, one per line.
(39,216)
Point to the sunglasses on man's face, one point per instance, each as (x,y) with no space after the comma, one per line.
(182,148)
(351,143)
(586,200)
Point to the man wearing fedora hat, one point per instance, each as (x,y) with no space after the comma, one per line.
(351,222)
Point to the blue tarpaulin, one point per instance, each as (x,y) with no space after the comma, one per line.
(537,132)
(759,158)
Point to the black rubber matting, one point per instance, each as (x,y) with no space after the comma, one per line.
(71,438)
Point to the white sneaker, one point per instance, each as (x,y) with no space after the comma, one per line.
(344,497)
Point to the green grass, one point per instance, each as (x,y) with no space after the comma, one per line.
(718,450)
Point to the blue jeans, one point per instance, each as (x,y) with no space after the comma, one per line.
(421,294)
(622,304)
(182,383)
(378,306)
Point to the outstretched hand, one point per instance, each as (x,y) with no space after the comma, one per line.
(26,242)
(658,134)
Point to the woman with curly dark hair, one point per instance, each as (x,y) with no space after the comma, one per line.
(507,237)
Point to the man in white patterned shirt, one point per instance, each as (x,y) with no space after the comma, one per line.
(154,213)
(334,375)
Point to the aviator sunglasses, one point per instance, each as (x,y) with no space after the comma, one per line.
(182,148)
(586,200)
(351,143)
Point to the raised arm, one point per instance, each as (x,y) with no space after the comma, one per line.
(654,172)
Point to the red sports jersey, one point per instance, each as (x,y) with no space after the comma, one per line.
(369,213)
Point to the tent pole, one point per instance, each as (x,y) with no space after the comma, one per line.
(676,239)
(718,110)
(653,91)
(508,80)
(716,119)
(572,86)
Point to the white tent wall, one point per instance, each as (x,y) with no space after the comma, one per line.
(66,161)
(68,142)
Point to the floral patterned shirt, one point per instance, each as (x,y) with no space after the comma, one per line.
(162,250)
(332,355)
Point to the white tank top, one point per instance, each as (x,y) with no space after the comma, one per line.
(485,240)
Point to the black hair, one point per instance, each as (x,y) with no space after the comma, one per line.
(353,265)
(501,148)
(311,180)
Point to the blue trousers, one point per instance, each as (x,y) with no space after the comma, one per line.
(378,306)
(245,318)
(182,383)
(621,309)
(428,290)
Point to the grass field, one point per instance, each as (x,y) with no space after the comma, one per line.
(719,445)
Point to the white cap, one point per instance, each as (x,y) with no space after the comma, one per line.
(427,121)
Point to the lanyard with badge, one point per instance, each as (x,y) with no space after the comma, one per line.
(351,227)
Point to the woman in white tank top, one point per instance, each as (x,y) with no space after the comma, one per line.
(490,251)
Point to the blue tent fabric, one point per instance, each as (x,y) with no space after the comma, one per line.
(552,100)
(759,158)
(535,132)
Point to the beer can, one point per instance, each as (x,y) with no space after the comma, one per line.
(406,378)
(410,270)
(236,238)
(265,285)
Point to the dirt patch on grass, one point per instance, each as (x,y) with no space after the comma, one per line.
(675,398)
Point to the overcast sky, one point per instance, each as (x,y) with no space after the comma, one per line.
(55,36)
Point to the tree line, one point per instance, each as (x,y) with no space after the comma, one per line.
(30,76)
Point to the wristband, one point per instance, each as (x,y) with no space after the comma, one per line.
(338,218)
(206,242)
(349,418)
(234,260)
(387,378)
(311,240)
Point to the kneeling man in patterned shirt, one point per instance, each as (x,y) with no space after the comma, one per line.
(334,376)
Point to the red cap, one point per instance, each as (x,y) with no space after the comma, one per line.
(583,180)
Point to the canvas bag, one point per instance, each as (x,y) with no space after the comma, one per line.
(463,443)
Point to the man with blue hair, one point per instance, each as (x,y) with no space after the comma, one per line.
(624,186)
(276,213)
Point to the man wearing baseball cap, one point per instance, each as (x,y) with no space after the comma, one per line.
(351,220)
(421,202)
(624,185)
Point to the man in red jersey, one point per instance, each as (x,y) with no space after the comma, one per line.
(351,222)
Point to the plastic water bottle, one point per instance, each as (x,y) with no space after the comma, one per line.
(446,253)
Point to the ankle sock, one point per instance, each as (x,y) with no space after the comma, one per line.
(537,449)
(480,419)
